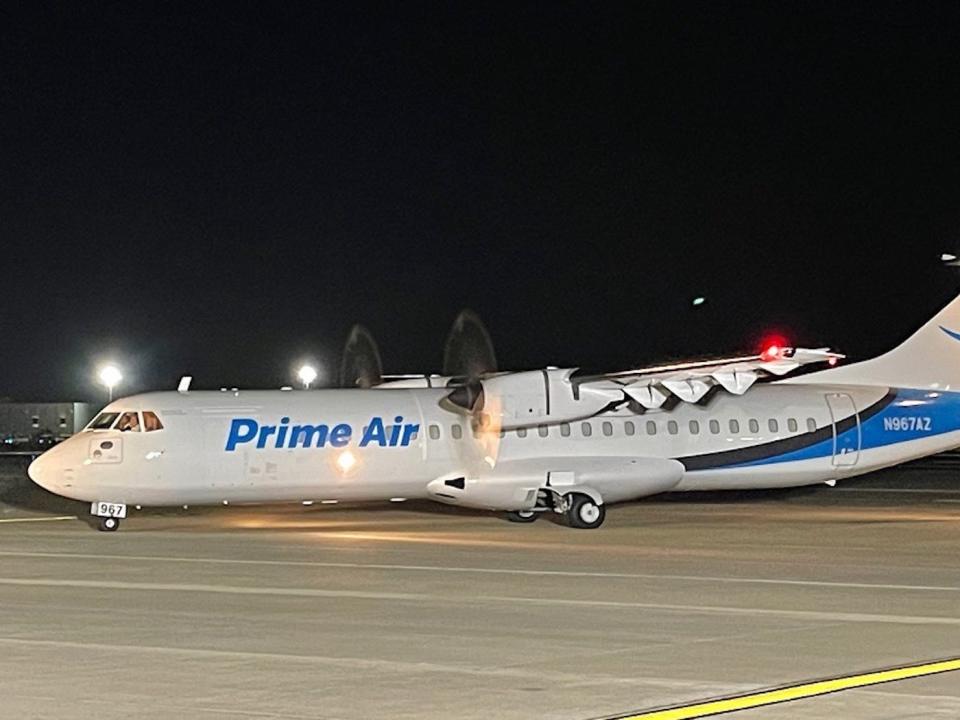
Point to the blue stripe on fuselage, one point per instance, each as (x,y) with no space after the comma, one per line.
(913,414)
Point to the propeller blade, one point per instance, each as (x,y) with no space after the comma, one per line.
(468,351)
(360,365)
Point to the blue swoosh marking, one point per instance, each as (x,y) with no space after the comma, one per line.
(942,409)
(951,333)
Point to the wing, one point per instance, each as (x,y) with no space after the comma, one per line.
(690,381)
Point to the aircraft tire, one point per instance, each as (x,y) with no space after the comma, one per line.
(522,516)
(584,513)
(109,524)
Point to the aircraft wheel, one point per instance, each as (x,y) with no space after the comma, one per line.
(584,513)
(522,516)
(109,524)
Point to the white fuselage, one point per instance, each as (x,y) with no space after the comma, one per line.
(213,446)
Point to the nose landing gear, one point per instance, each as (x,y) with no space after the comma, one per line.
(108,524)
(109,515)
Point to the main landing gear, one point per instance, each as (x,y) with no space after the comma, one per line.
(522,516)
(584,513)
(579,509)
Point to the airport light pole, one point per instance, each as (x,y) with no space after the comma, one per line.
(307,375)
(110,376)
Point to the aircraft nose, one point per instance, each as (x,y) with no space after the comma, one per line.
(41,471)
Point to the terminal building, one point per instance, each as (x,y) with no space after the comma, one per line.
(40,424)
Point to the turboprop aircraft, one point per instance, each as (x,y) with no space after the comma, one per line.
(526,443)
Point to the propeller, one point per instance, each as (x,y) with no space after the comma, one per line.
(360,365)
(468,357)
(468,352)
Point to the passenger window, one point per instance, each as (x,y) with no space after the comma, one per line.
(586,429)
(694,427)
(434,431)
(715,427)
(735,427)
(651,427)
(754,426)
(521,432)
(607,428)
(773,425)
(629,428)
(151,423)
(456,432)
(543,430)
(672,427)
(565,429)
(811,425)
(129,422)
(792,424)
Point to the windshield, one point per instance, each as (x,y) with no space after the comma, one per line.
(129,422)
(103,421)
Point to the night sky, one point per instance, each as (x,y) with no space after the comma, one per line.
(223,191)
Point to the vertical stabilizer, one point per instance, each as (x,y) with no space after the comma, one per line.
(928,359)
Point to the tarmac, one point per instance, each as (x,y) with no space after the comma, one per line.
(420,611)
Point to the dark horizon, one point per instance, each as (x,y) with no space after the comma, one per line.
(223,191)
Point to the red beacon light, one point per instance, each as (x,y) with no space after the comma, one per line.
(774,348)
(771,352)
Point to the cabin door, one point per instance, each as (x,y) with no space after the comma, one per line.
(846,429)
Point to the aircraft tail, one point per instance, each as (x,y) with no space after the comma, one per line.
(928,359)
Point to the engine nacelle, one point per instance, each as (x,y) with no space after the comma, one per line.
(535,397)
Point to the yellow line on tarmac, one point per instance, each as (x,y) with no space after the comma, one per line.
(796,692)
(39,519)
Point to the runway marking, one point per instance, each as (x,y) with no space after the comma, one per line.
(799,691)
(569,679)
(39,519)
(816,615)
(482,571)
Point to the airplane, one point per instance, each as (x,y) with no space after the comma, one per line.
(523,443)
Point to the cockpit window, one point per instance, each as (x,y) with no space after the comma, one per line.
(103,421)
(151,422)
(129,422)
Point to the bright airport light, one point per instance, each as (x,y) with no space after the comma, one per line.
(307,375)
(110,376)
(346,461)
